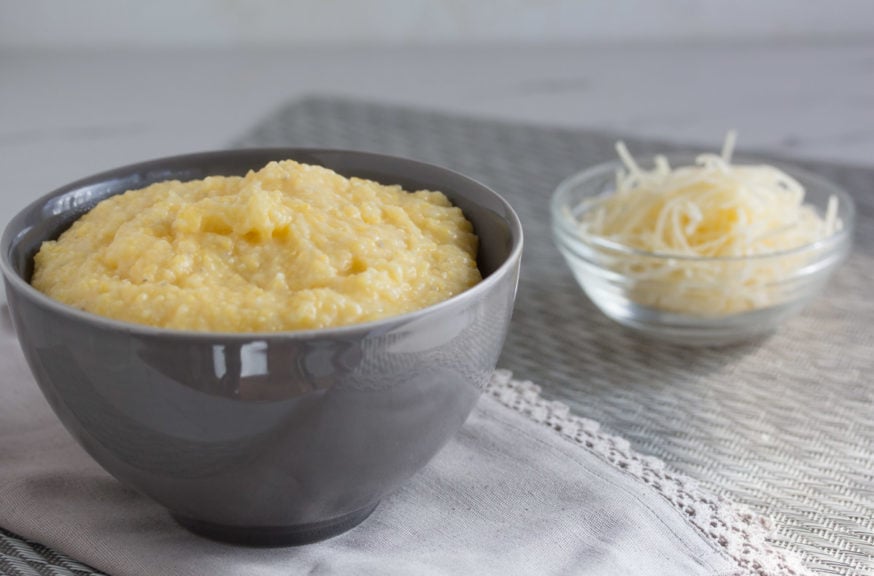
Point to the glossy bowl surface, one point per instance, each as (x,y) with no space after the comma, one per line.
(265,438)
(602,266)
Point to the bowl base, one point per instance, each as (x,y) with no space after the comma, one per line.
(276,536)
(696,331)
(700,338)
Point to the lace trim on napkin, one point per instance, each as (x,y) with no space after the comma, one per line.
(739,532)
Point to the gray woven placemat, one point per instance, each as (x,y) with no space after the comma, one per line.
(785,426)
(24,558)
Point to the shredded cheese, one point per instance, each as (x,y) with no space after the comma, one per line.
(715,211)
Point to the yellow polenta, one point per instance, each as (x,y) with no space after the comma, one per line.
(289,247)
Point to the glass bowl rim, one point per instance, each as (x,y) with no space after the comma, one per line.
(567,226)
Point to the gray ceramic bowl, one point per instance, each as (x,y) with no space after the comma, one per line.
(266,438)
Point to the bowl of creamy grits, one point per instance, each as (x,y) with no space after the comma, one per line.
(266,341)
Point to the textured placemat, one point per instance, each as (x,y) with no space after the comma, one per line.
(20,557)
(784,425)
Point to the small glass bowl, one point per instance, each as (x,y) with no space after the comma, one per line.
(712,307)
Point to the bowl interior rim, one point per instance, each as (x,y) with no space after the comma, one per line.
(386,324)
(571,235)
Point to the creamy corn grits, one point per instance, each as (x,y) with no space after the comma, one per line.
(291,246)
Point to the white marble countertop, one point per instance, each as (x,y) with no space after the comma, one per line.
(67,115)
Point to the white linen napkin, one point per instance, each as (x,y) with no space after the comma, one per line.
(524,488)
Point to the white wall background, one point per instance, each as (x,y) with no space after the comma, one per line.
(269,23)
